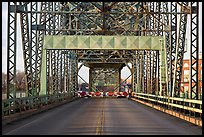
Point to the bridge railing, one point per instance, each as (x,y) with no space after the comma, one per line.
(186,106)
(18,105)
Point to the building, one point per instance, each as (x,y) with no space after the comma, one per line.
(185,78)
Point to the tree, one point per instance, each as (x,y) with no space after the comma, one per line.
(4,82)
(20,80)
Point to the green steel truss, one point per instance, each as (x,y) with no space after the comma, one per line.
(102,42)
(44,23)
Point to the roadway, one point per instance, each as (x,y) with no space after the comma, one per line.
(101,116)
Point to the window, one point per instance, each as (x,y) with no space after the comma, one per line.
(185,89)
(186,78)
(186,72)
(186,75)
(201,75)
(186,65)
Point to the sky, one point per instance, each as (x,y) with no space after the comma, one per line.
(84,71)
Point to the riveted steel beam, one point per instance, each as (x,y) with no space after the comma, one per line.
(194,51)
(179,53)
(11,49)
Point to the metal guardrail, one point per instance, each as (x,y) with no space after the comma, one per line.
(186,106)
(17,105)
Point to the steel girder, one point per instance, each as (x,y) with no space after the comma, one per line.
(134,71)
(34,47)
(40,32)
(26,48)
(61,69)
(180,51)
(66,73)
(155,68)
(166,27)
(194,51)
(48,73)
(11,50)
(74,71)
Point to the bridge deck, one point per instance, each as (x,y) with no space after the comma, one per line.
(102,116)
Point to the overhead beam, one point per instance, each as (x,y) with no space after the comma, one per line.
(102,42)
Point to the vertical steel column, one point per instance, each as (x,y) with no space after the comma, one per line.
(144,71)
(63,18)
(119,77)
(39,45)
(159,32)
(138,71)
(57,70)
(65,71)
(61,71)
(180,51)
(48,72)
(141,69)
(33,40)
(56,18)
(26,47)
(158,21)
(53,63)
(166,27)
(157,71)
(173,25)
(74,71)
(11,50)
(90,79)
(152,20)
(154,72)
(194,51)
(146,19)
(135,71)
(151,53)
(148,70)
(70,71)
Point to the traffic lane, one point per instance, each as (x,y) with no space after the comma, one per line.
(88,122)
(181,126)
(46,113)
(50,122)
(128,117)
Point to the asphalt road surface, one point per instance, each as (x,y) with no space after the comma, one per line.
(102,116)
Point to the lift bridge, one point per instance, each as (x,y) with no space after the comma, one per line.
(105,37)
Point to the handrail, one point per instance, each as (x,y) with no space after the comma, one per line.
(17,105)
(182,103)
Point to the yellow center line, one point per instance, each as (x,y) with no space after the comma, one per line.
(98,125)
(100,122)
(103,121)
